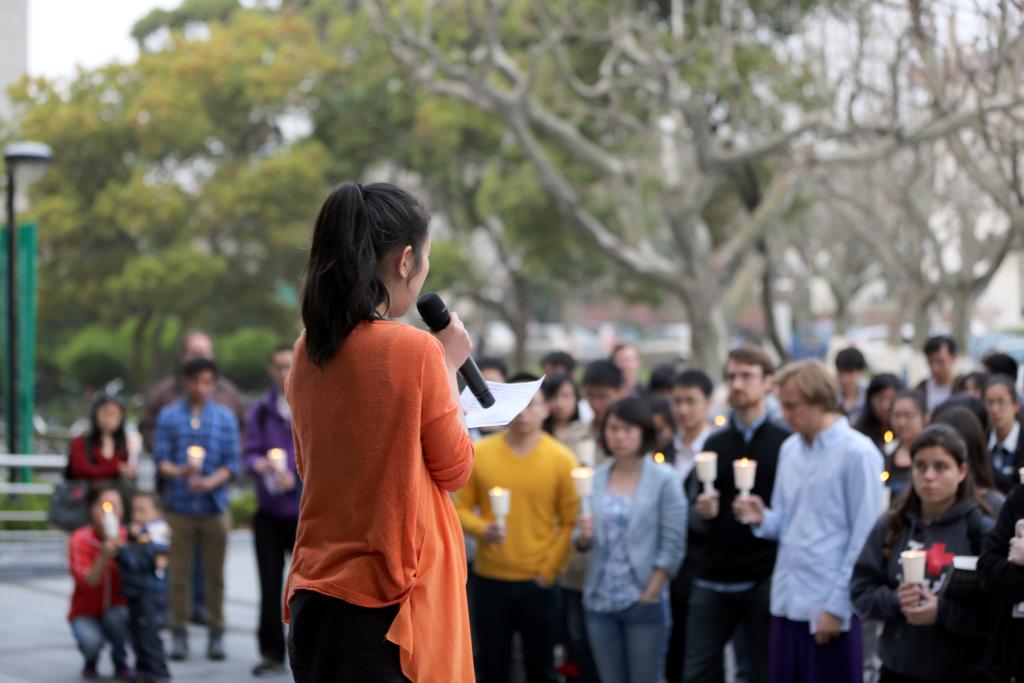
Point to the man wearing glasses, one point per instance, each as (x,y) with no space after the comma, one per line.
(733,582)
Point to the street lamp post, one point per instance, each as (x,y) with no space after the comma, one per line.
(25,162)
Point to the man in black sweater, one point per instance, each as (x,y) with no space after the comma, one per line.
(733,582)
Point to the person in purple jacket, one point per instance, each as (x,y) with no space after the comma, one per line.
(270,457)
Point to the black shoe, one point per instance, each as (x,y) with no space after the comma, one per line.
(268,667)
(215,647)
(179,645)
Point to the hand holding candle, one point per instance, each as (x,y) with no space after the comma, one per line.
(583,479)
(500,504)
(278,458)
(111,525)
(196,456)
(707,469)
(913,566)
(744,471)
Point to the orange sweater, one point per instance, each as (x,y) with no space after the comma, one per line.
(378,442)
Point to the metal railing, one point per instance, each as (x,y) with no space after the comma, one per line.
(35,463)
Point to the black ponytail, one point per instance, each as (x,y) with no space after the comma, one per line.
(358,227)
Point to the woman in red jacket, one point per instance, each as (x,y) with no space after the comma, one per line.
(99,614)
(102,454)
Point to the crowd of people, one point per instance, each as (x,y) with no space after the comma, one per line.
(163,566)
(820,525)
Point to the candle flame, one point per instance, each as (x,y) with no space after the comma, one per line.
(108,506)
(582,473)
(196,451)
(744,462)
(885,476)
(497,491)
(888,436)
(720,421)
(659,458)
(276,453)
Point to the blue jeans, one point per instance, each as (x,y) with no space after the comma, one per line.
(630,646)
(91,633)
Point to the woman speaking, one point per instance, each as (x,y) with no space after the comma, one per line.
(376,590)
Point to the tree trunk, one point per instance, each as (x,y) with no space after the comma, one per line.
(136,371)
(919,310)
(709,333)
(963,296)
(842,313)
(768,300)
(521,322)
(156,355)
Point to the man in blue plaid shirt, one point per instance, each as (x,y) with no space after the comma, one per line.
(196,446)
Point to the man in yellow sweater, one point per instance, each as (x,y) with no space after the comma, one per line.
(518,561)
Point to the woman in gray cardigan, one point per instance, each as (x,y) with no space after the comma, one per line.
(635,543)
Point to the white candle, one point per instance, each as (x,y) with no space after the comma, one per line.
(707,469)
(886,493)
(913,566)
(111,526)
(196,455)
(744,472)
(278,459)
(583,478)
(1020,472)
(585,452)
(500,504)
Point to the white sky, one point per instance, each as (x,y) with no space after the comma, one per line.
(63,33)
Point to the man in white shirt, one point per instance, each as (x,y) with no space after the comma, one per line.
(941,354)
(691,408)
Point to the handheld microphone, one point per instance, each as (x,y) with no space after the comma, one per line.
(435,315)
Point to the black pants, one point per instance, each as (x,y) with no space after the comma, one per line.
(887,676)
(712,618)
(504,607)
(679,593)
(332,640)
(275,538)
(147,615)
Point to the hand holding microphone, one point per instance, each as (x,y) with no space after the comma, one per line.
(457,344)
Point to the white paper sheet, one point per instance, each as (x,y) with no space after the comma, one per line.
(509,401)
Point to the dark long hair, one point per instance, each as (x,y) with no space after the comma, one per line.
(550,388)
(93,440)
(358,227)
(967,425)
(636,412)
(869,423)
(936,435)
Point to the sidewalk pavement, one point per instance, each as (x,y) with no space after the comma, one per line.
(36,644)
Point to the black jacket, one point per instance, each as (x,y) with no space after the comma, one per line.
(1008,478)
(952,648)
(1005,584)
(697,528)
(733,554)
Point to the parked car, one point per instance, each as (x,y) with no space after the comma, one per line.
(666,344)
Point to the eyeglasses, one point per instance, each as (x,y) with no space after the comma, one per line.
(998,403)
(744,377)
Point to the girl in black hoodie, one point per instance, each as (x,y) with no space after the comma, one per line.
(1002,573)
(928,635)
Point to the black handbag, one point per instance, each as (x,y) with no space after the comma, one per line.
(69,505)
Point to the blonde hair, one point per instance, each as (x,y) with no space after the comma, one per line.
(814,382)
